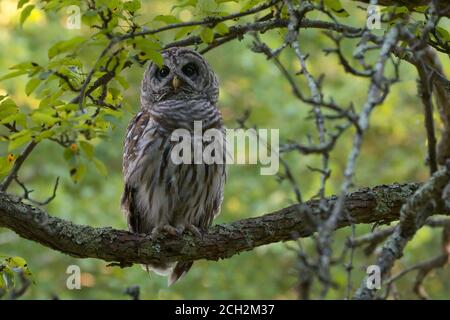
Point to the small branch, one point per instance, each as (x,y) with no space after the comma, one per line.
(25,284)
(412,217)
(434,263)
(373,239)
(26,193)
(425,91)
(134,292)
(80,97)
(17,165)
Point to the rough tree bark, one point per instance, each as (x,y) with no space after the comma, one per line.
(380,205)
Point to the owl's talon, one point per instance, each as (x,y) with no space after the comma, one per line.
(180,230)
(168,229)
(155,233)
(171,230)
(196,231)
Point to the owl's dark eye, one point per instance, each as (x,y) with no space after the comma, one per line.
(190,70)
(163,72)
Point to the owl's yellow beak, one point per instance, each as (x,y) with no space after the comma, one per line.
(175,82)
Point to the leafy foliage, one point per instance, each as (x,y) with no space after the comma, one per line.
(11,269)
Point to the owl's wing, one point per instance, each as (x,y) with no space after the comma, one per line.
(136,129)
(214,188)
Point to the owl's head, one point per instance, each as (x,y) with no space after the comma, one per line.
(184,75)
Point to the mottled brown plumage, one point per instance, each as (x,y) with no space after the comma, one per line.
(159,195)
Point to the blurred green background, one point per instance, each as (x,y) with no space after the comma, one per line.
(394,151)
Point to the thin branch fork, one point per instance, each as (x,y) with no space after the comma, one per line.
(17,165)
(413,215)
(380,204)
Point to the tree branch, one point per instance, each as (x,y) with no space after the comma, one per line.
(413,215)
(425,91)
(380,204)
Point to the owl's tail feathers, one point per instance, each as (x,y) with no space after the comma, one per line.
(181,268)
(174,270)
(163,269)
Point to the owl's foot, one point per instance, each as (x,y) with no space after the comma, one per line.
(196,231)
(165,229)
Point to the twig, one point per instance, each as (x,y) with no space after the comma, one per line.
(25,284)
(17,165)
(425,92)
(413,215)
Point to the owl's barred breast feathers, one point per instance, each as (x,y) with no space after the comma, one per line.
(160,195)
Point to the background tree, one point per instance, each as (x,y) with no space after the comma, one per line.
(358,109)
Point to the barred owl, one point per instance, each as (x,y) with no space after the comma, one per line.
(159,195)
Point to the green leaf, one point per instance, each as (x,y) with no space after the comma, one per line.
(54,5)
(184,31)
(7,108)
(13,74)
(18,264)
(156,57)
(147,44)
(206,7)
(114,4)
(17,142)
(25,13)
(168,19)
(2,284)
(444,35)
(132,6)
(8,103)
(100,166)
(336,7)
(207,35)
(395,10)
(67,107)
(17,117)
(88,149)
(122,81)
(250,4)
(150,49)
(43,118)
(421,9)
(78,173)
(184,4)
(19,134)
(64,46)
(45,135)
(69,155)
(21,3)
(25,66)
(222,28)
(31,85)
(51,99)
(89,17)
(5,167)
